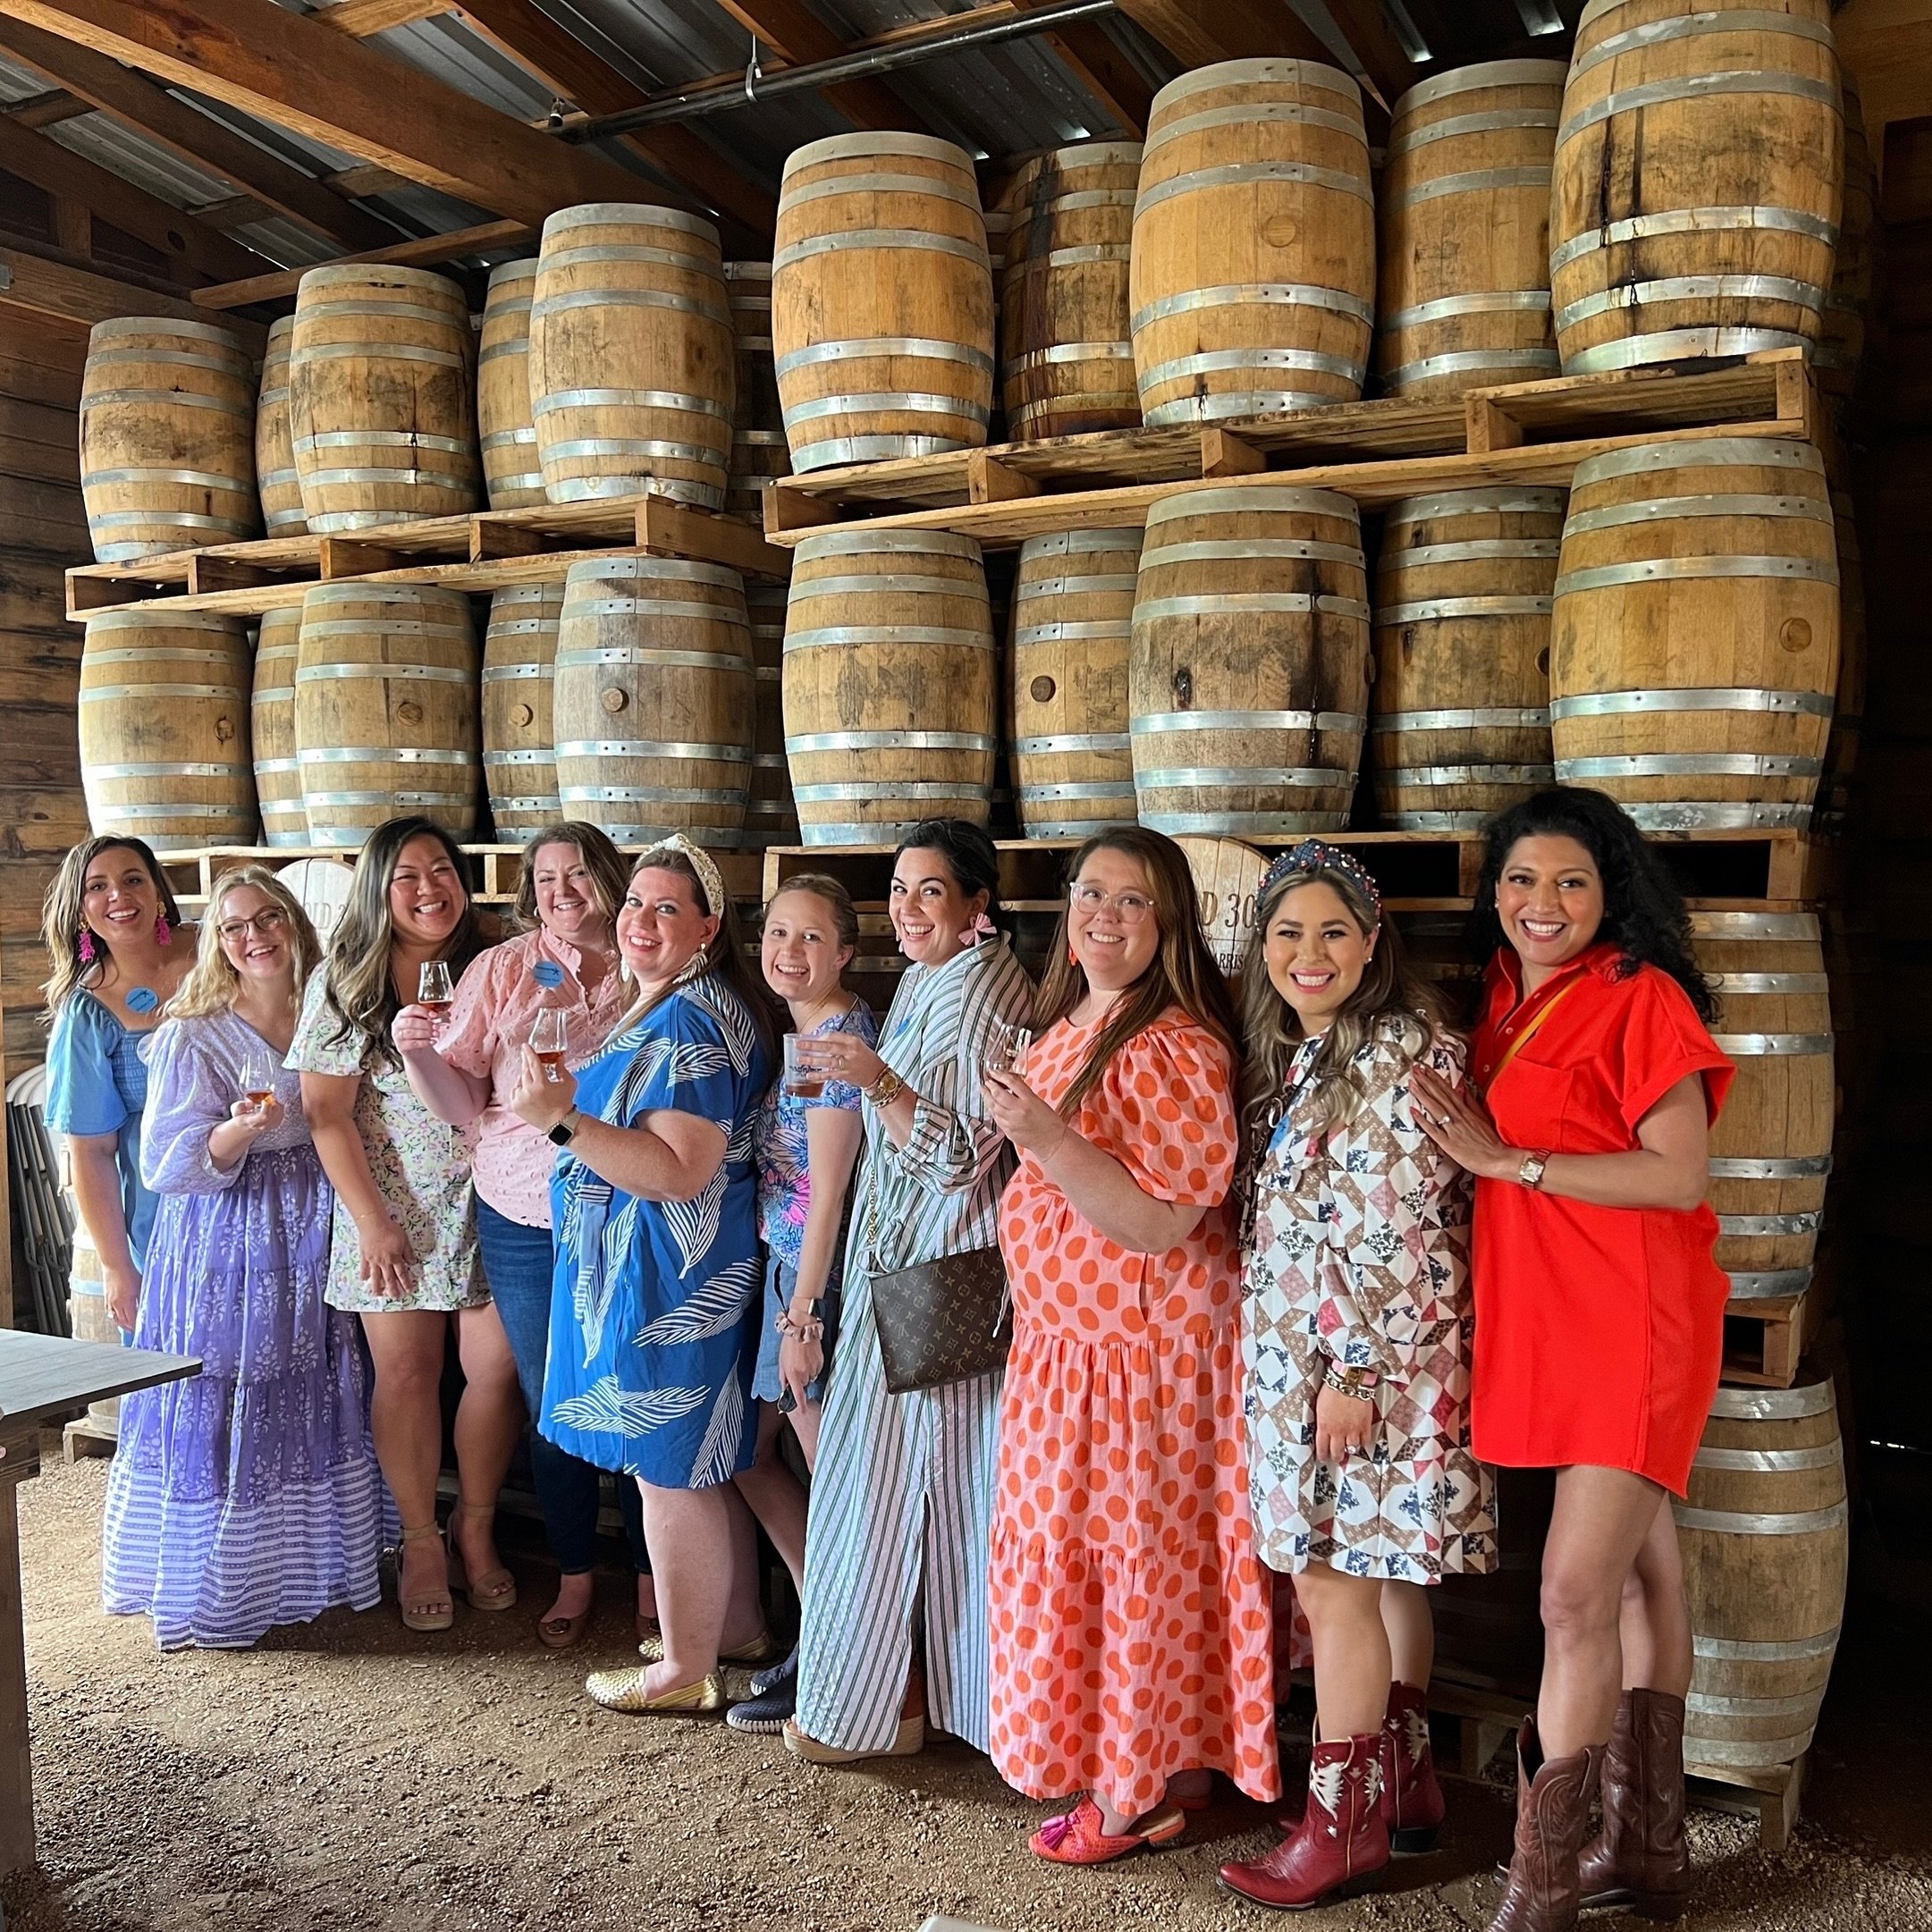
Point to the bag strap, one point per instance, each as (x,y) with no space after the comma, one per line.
(1530,1030)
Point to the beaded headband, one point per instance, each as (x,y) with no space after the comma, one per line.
(702,864)
(1317,855)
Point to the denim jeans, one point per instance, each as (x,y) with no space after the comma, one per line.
(521,1265)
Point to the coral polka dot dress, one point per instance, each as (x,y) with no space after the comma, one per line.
(1132,1638)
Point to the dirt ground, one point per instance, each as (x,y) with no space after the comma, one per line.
(349,1775)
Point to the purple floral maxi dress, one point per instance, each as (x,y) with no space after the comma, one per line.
(247,1496)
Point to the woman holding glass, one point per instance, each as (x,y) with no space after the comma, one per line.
(557,988)
(119,952)
(902,1506)
(247,1495)
(658,1274)
(404,1252)
(1132,1640)
(807,1137)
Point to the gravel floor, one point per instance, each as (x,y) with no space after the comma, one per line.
(349,1775)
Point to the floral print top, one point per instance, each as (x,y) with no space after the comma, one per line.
(420,1168)
(784,1179)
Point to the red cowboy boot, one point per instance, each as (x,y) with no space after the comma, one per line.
(1340,1839)
(1641,1858)
(1411,1799)
(1552,1807)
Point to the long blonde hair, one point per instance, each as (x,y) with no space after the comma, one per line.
(211,983)
(1391,1000)
(63,919)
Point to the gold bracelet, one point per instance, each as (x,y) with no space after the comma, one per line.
(886,1089)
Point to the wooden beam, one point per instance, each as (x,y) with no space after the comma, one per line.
(420,252)
(365,179)
(76,298)
(363,18)
(562,63)
(195,253)
(289,69)
(48,110)
(1095,60)
(1379,58)
(1199,35)
(137,103)
(791,31)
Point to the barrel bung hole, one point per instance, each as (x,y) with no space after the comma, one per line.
(1042,689)
(1795,634)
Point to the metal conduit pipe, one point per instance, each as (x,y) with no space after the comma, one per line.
(951,36)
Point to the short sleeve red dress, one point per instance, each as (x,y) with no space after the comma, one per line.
(1132,1638)
(1599,1332)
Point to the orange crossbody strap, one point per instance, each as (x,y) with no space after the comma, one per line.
(1529,1033)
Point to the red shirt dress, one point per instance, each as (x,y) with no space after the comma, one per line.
(1599,1332)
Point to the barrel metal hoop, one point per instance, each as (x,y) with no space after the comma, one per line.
(683,305)
(860,348)
(1768,1284)
(1801,1703)
(649,747)
(1788,985)
(1669,509)
(1037,590)
(204,479)
(680,259)
(1774,925)
(1769,1226)
(1118,632)
(1194,777)
(1694,569)
(1698,88)
(1089,251)
(1472,821)
(1758,1043)
(892,634)
(1484,302)
(1481,717)
(1227,405)
(493,759)
(1770,1167)
(1450,503)
(405,673)
(677,400)
(1243,824)
(137,814)
(907,789)
(166,769)
(1623,295)
(966,195)
(1297,549)
(1479,550)
(509,673)
(812,741)
(886,401)
(624,214)
(310,754)
(1702,698)
(1247,174)
(1263,294)
(1158,723)
(192,331)
(836,452)
(1476,181)
(1268,496)
(1646,459)
(1248,602)
(1437,608)
(158,654)
(275,767)
(1749,1522)
(1456,361)
(184,398)
(1774,1651)
(704,455)
(919,240)
(1072,741)
(1698,26)
(1121,789)
(1466,774)
(440,359)
(1251,113)
(1687,764)
(1678,345)
(1479,76)
(1080,543)
(102,693)
(1689,221)
(1773,1404)
(888,543)
(804,589)
(1499,121)
(404,476)
(1062,353)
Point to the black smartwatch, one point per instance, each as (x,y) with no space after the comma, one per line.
(565,1130)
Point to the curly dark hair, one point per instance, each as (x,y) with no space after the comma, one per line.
(1643,912)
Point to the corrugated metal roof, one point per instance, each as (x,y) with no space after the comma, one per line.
(135,158)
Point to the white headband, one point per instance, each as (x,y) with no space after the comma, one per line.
(702,864)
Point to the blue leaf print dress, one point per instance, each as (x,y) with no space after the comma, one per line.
(655,1304)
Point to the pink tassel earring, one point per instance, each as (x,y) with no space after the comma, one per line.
(87,946)
(163,931)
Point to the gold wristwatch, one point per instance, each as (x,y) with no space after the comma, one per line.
(1530,1173)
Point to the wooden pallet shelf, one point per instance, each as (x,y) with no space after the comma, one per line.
(480,551)
(1764,1340)
(1377,451)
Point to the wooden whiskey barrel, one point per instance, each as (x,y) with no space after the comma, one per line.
(276,481)
(1463,583)
(1065,360)
(891,683)
(1073,621)
(1694,641)
(1770,1150)
(1252,278)
(382,396)
(167,437)
(506,432)
(758,448)
(1764,1536)
(654,699)
(1840,345)
(1462,289)
(278,772)
(771,817)
(1247,683)
(386,710)
(882,301)
(163,728)
(1695,205)
(520,659)
(1227,885)
(631,379)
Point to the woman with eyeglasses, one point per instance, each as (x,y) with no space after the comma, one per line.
(247,1495)
(1132,1641)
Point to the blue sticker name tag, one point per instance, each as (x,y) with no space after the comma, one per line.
(547,973)
(143,1000)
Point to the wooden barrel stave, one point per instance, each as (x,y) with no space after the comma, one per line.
(382,396)
(506,431)
(1463,285)
(386,710)
(1770,1150)
(1763,1533)
(1694,641)
(654,699)
(167,437)
(1066,362)
(519,656)
(759,453)
(1463,585)
(630,290)
(882,301)
(163,728)
(1696,199)
(1252,273)
(771,816)
(1073,624)
(1841,346)
(891,677)
(1248,673)
(278,770)
(277,481)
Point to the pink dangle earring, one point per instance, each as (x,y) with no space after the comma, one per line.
(163,931)
(86,945)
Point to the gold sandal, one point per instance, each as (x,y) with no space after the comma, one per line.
(623,1689)
(423,1612)
(763,1648)
(496,1591)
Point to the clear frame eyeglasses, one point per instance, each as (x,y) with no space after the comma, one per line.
(1130,907)
(270,919)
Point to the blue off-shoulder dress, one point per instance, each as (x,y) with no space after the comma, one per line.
(655,1304)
